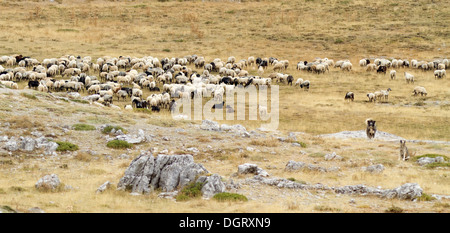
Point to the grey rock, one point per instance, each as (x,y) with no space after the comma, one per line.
(4,139)
(168,195)
(11,145)
(193,150)
(408,191)
(124,156)
(427,160)
(166,172)
(293,165)
(248,168)
(104,187)
(212,185)
(332,156)
(210,125)
(36,210)
(73,95)
(48,182)
(375,168)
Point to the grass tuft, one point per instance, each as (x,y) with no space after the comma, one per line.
(83,127)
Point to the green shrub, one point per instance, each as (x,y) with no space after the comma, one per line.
(426,197)
(83,127)
(192,190)
(109,128)
(394,209)
(119,144)
(66,146)
(229,197)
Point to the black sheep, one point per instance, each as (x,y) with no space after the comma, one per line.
(290,79)
(33,84)
(382,69)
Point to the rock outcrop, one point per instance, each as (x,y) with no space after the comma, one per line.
(168,173)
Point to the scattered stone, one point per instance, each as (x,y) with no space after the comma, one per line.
(73,95)
(375,168)
(168,195)
(104,187)
(36,210)
(427,160)
(293,166)
(193,150)
(124,156)
(210,125)
(247,168)
(4,139)
(48,182)
(333,156)
(11,145)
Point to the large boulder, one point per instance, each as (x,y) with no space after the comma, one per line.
(48,182)
(167,172)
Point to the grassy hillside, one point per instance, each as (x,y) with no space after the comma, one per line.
(289,29)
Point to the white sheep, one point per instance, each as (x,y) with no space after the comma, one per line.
(439,74)
(420,90)
(393,74)
(409,77)
(346,66)
(371,97)
(298,82)
(386,93)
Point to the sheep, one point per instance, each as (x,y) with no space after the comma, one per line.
(371,97)
(278,66)
(94,89)
(346,66)
(439,74)
(121,94)
(298,82)
(378,95)
(251,60)
(386,93)
(305,84)
(362,62)
(420,90)
(393,74)
(382,69)
(137,92)
(349,96)
(409,77)
(371,128)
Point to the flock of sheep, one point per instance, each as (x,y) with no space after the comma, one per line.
(107,79)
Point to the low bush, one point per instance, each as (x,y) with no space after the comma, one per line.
(66,146)
(119,144)
(229,197)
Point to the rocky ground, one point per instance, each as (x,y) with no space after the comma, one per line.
(340,172)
